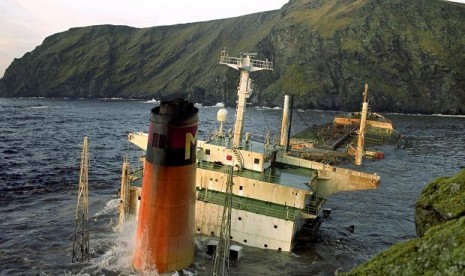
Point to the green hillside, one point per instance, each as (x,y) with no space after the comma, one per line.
(409,52)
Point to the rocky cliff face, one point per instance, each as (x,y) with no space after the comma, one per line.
(440,222)
(409,52)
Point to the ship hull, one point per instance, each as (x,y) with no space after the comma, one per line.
(248,228)
(263,214)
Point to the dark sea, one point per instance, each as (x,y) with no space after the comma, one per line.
(40,145)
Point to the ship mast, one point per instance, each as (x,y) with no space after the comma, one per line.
(81,227)
(361,134)
(124,193)
(245,65)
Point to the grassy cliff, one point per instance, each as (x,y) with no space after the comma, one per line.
(410,53)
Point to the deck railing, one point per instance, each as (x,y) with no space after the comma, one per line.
(265,64)
(250,205)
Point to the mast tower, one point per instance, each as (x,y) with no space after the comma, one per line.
(245,65)
(361,133)
(81,226)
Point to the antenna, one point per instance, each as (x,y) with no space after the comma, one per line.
(81,226)
(361,133)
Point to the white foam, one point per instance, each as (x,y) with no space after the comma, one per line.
(451,116)
(110,208)
(118,257)
(39,107)
(262,108)
(152,101)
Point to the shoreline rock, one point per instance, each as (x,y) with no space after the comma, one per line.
(440,247)
(442,200)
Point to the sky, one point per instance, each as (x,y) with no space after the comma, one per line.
(26,23)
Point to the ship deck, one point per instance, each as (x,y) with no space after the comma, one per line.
(282,174)
(277,173)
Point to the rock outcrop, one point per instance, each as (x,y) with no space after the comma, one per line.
(440,222)
(442,200)
(409,52)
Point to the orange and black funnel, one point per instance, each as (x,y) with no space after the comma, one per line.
(165,231)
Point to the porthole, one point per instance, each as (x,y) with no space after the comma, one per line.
(276,226)
(198,229)
(138,198)
(266,245)
(239,218)
(230,237)
(245,241)
(212,233)
(279,248)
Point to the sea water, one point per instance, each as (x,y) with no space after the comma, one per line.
(40,145)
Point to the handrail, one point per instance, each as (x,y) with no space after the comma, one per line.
(250,205)
(265,64)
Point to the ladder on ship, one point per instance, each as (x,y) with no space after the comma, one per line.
(81,226)
(238,158)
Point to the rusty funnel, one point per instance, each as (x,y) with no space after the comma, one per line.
(165,230)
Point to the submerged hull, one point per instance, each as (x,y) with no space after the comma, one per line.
(248,228)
